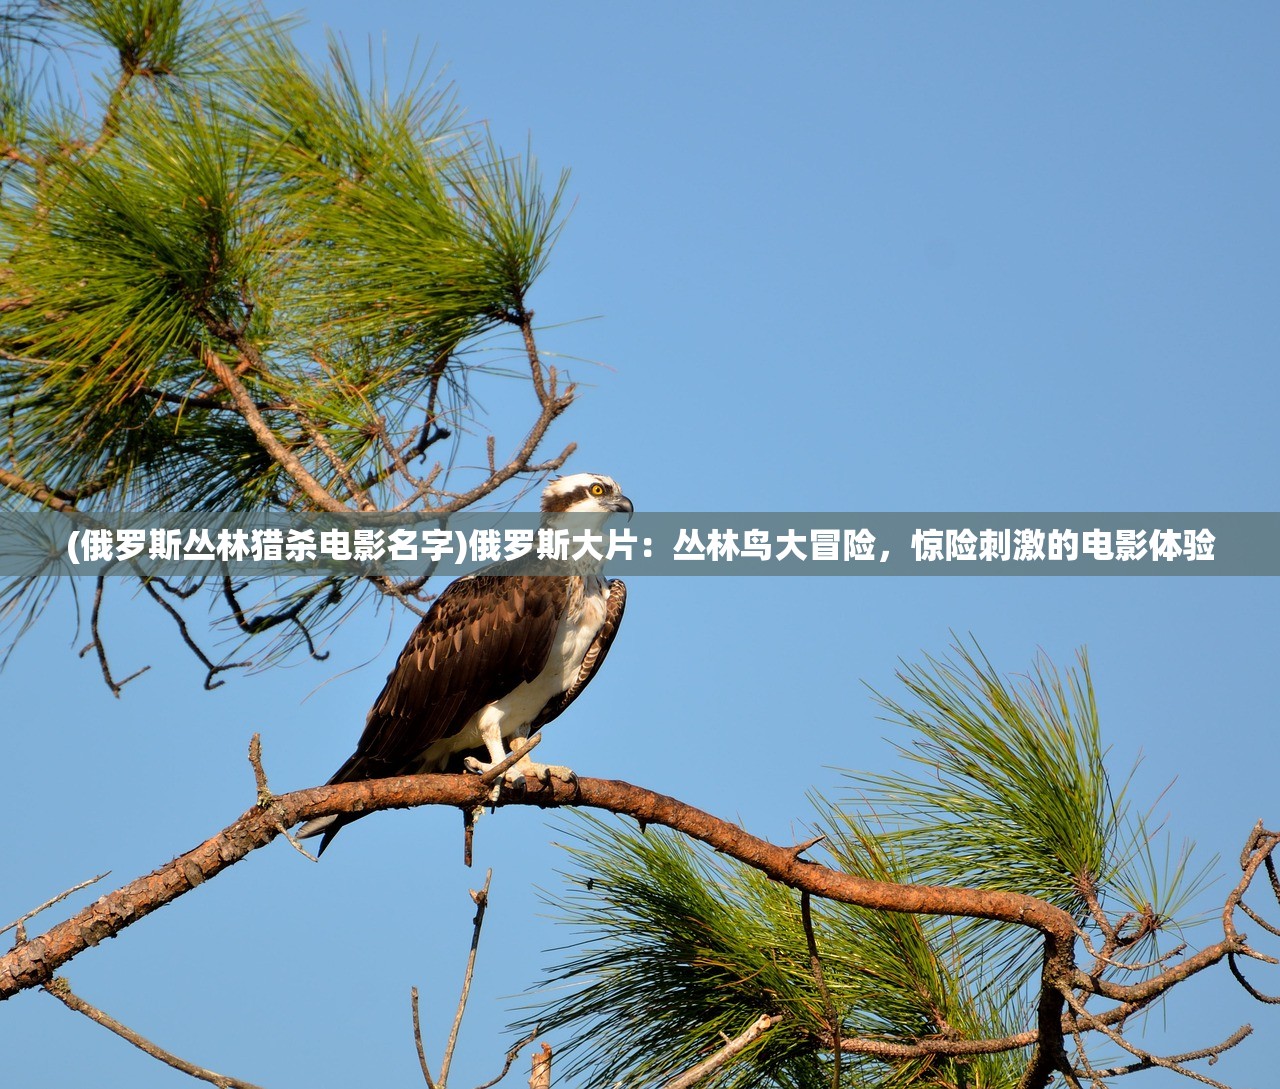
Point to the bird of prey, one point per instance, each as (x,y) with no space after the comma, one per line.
(496,657)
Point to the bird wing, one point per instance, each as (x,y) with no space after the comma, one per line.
(594,657)
(481,638)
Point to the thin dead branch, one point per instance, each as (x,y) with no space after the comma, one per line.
(417,1039)
(267,800)
(1269,999)
(512,1054)
(481,899)
(61,990)
(1145,1058)
(211,668)
(726,1054)
(1268,927)
(1210,1053)
(96,643)
(259,772)
(19,924)
(263,622)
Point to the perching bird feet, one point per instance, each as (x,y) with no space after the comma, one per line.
(521,769)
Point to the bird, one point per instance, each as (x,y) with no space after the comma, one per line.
(495,658)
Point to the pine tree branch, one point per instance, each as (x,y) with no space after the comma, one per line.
(266,436)
(212,669)
(899,1051)
(35,962)
(512,1054)
(1145,1058)
(40,958)
(37,493)
(96,643)
(1210,1053)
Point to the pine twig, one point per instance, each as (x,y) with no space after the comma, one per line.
(1145,1058)
(212,668)
(1210,1053)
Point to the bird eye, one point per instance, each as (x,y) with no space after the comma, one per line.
(597,489)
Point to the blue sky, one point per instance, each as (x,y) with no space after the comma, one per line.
(837,257)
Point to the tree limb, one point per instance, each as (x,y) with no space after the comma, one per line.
(37,961)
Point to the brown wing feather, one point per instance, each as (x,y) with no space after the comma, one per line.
(594,657)
(481,638)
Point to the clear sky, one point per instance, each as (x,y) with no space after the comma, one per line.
(854,257)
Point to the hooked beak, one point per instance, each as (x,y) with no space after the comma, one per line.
(622,505)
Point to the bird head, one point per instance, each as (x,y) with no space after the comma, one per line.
(585,493)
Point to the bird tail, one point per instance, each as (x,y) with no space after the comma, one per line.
(353,769)
(315,827)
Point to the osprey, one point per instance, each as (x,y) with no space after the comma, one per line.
(495,658)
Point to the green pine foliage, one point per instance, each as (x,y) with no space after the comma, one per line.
(342,245)
(346,248)
(679,949)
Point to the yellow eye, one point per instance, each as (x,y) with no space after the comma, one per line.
(597,489)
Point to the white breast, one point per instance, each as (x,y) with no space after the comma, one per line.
(578,629)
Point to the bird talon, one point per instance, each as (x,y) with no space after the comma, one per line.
(517,777)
